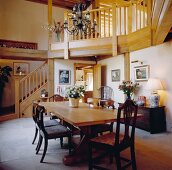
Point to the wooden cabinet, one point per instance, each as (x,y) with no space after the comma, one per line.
(152,119)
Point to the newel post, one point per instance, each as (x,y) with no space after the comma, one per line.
(17,96)
(114,37)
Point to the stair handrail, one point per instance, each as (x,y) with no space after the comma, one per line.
(32,82)
(42,65)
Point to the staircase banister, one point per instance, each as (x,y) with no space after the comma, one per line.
(24,78)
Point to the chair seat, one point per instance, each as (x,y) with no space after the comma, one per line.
(107,139)
(57,131)
(52,122)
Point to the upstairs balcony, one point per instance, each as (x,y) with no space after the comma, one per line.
(121,28)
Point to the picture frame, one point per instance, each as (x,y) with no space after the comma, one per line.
(64,77)
(115,75)
(141,73)
(20,68)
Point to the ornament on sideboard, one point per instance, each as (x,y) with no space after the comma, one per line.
(154,85)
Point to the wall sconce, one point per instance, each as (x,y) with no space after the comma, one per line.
(154,84)
(137,61)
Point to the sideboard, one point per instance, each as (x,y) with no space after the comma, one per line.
(152,120)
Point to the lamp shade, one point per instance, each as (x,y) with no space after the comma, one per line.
(154,84)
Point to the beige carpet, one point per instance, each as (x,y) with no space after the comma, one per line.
(153,152)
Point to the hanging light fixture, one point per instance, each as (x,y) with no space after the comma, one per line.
(81,23)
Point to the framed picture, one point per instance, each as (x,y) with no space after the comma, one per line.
(141,73)
(20,68)
(64,76)
(115,74)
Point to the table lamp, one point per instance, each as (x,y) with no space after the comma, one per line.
(154,84)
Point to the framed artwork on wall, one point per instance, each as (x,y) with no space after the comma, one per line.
(141,73)
(20,68)
(115,74)
(64,76)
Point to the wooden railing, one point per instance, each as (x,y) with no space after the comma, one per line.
(32,82)
(126,18)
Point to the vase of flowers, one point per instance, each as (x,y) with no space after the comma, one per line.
(74,93)
(128,87)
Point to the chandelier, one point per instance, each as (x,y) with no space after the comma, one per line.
(81,23)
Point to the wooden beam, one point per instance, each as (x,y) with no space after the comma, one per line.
(67,4)
(66,39)
(164,23)
(114,36)
(127,66)
(50,23)
(50,77)
(22,54)
(157,8)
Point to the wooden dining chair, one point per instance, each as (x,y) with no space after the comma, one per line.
(47,123)
(114,143)
(108,127)
(59,98)
(52,132)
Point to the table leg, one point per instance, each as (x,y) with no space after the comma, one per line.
(80,153)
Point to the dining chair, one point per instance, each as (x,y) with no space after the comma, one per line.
(115,142)
(105,93)
(108,127)
(47,123)
(59,98)
(52,132)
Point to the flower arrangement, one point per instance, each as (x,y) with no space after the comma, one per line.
(75,91)
(128,87)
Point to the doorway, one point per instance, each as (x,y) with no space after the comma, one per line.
(84,76)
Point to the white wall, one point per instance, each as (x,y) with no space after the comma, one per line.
(21,20)
(108,65)
(60,64)
(159,59)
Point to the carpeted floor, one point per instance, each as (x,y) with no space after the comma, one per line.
(153,152)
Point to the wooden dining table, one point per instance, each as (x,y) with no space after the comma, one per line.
(84,118)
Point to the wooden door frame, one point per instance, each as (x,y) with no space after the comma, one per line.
(80,65)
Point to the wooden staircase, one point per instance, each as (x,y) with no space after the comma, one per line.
(29,89)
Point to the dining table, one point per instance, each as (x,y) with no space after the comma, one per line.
(84,118)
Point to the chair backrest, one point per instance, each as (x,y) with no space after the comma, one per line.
(34,113)
(40,110)
(105,92)
(56,98)
(127,114)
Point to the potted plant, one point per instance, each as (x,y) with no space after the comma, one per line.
(4,76)
(74,93)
